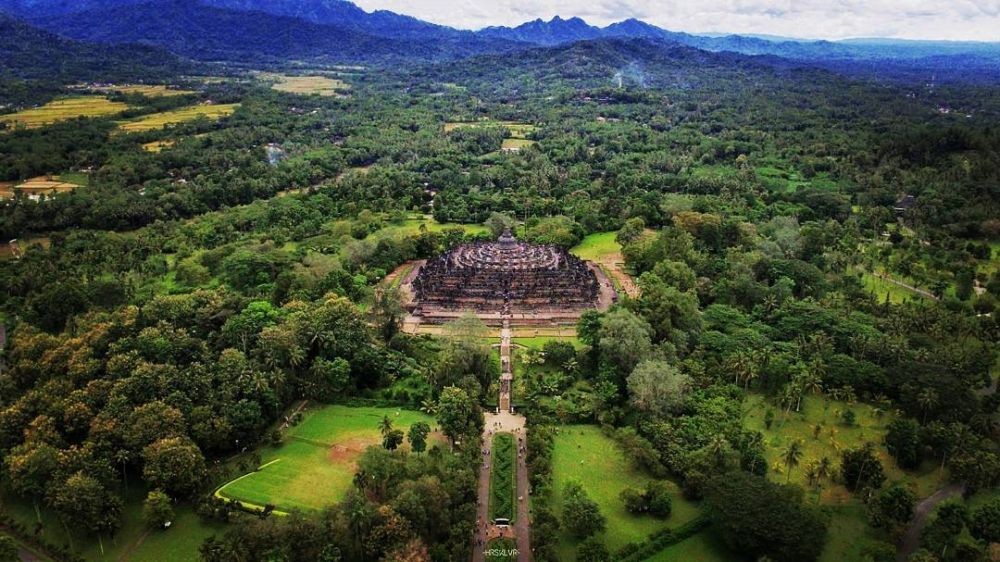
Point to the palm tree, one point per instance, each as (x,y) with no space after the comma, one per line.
(791,456)
(812,472)
(385,426)
(429,407)
(825,468)
(927,399)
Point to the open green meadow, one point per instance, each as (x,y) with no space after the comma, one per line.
(834,437)
(314,467)
(584,454)
(132,542)
(597,246)
(175,116)
(63,109)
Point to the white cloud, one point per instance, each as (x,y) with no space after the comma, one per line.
(828,19)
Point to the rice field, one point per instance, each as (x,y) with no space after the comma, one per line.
(308,85)
(148,90)
(64,109)
(42,185)
(181,115)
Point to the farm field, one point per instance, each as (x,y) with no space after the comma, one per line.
(584,454)
(173,117)
(314,467)
(158,146)
(148,90)
(516,144)
(63,109)
(307,85)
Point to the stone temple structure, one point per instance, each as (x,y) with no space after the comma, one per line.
(525,283)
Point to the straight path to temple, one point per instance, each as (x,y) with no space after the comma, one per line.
(504,421)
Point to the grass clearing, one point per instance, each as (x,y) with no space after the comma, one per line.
(834,437)
(516,144)
(64,109)
(148,90)
(315,466)
(158,146)
(176,116)
(503,477)
(308,85)
(584,454)
(597,247)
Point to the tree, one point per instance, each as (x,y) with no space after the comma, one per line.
(791,456)
(630,231)
(175,465)
(8,550)
(385,426)
(386,311)
(157,510)
(861,469)
(592,549)
(417,436)
(459,416)
(942,533)
(893,506)
(658,388)
(759,518)
(624,340)
(393,439)
(500,222)
(985,522)
(83,502)
(581,515)
(903,442)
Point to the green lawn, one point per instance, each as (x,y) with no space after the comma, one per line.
(597,246)
(538,342)
(411,226)
(313,469)
(503,477)
(584,454)
(703,547)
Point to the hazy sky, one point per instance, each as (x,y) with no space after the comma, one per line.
(831,19)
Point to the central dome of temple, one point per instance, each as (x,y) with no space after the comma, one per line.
(506,276)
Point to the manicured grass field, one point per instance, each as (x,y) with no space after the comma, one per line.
(834,437)
(313,469)
(703,547)
(501,550)
(63,109)
(538,342)
(173,117)
(584,454)
(411,226)
(307,85)
(597,246)
(503,473)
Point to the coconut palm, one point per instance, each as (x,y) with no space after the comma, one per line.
(385,426)
(927,399)
(791,456)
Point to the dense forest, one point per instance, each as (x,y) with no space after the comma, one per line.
(165,317)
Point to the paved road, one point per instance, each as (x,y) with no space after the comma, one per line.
(911,539)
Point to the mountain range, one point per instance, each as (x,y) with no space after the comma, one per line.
(340,31)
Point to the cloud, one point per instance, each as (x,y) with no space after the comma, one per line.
(826,19)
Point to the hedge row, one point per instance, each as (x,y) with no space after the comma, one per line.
(637,552)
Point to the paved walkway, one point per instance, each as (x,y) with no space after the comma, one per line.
(504,421)
(911,539)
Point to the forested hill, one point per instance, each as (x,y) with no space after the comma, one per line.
(194,30)
(31,53)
